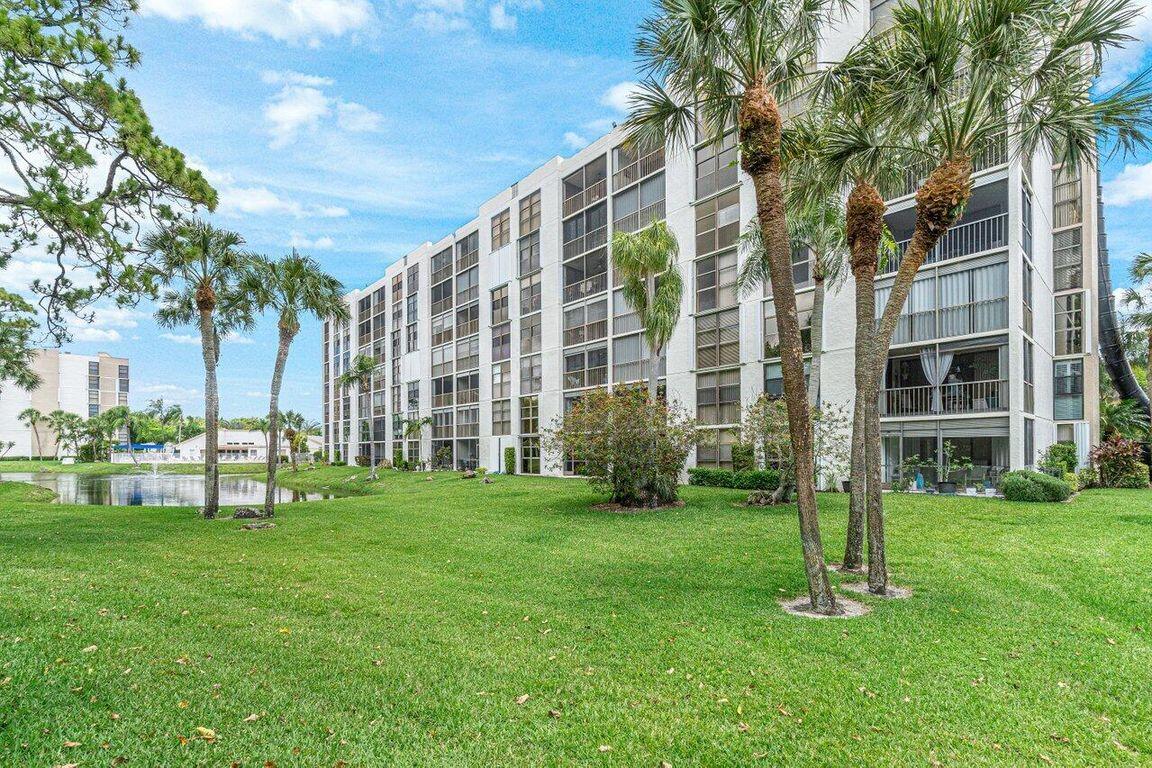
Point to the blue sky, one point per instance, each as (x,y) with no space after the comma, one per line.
(355,130)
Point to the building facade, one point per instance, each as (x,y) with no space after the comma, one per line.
(483,338)
(86,385)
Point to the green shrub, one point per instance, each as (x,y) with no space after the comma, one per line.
(1136,478)
(363,461)
(510,460)
(1087,478)
(1025,485)
(743,457)
(1061,456)
(750,480)
(1072,480)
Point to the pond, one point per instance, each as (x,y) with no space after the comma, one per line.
(153,489)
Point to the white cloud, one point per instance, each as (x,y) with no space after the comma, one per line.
(194,339)
(1123,63)
(575,140)
(261,201)
(294,108)
(88,333)
(303,242)
(301,105)
(290,20)
(1132,185)
(256,393)
(436,21)
(181,338)
(235,338)
(618,96)
(357,118)
(499,18)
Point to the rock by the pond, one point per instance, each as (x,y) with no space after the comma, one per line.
(487,481)
(257,526)
(469,475)
(760,499)
(247,513)
(429,478)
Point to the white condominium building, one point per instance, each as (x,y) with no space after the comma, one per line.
(494,329)
(85,385)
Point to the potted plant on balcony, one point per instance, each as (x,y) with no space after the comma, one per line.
(950,466)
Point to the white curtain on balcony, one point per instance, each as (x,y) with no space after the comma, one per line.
(935,369)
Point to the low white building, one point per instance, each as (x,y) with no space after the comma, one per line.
(240,445)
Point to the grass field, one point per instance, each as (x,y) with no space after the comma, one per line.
(451,623)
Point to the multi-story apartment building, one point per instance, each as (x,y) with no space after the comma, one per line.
(86,385)
(492,331)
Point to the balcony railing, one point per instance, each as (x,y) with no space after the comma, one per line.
(591,377)
(959,320)
(467,396)
(586,287)
(441,401)
(645,166)
(585,243)
(584,198)
(996,154)
(640,219)
(467,329)
(948,399)
(974,237)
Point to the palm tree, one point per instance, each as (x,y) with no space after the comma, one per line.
(65,425)
(414,428)
(200,268)
(722,63)
(293,424)
(1123,418)
(359,376)
(959,78)
(646,261)
(291,287)
(121,416)
(817,226)
(31,418)
(1138,303)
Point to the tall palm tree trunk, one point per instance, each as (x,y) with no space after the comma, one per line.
(864,222)
(939,204)
(36,437)
(760,158)
(817,343)
(211,417)
(653,354)
(273,459)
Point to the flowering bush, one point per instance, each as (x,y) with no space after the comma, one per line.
(1117,462)
(626,444)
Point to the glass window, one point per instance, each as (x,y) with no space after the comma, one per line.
(1067,260)
(442,297)
(1027,280)
(1067,208)
(586,368)
(529,415)
(624,319)
(442,391)
(531,375)
(1068,387)
(442,328)
(502,417)
(1069,324)
(500,304)
(501,229)
(630,359)
(468,251)
(442,360)
(413,279)
(442,266)
(1029,378)
(530,253)
(716,452)
(412,343)
(468,353)
(774,378)
(530,213)
(1029,442)
(502,379)
(501,342)
(804,303)
(530,455)
(1026,222)
(716,282)
(467,320)
(530,294)
(716,166)
(467,389)
(718,339)
(467,286)
(586,323)
(413,396)
(718,222)
(530,334)
(718,397)
(586,275)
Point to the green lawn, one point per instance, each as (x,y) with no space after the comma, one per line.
(403,628)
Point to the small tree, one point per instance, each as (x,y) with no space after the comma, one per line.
(630,445)
(31,418)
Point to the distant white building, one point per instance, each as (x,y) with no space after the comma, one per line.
(85,385)
(239,445)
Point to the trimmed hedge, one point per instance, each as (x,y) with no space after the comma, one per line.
(509,460)
(748,480)
(1025,485)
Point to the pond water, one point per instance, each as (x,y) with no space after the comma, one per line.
(153,489)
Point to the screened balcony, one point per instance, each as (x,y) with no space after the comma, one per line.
(951,302)
(586,186)
(945,380)
(633,163)
(982,228)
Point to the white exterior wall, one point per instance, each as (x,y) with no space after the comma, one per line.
(838,365)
